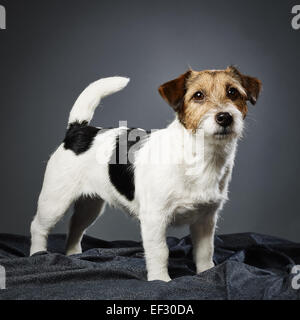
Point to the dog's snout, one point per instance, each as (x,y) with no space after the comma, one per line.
(224,119)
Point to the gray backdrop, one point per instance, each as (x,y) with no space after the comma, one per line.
(52,49)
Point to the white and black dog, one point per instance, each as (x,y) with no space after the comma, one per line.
(89,169)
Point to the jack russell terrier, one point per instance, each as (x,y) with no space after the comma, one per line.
(187,185)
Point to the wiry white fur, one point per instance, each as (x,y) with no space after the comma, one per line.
(87,102)
(165,193)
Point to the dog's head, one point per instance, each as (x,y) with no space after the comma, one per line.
(212,100)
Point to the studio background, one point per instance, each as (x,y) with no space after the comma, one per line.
(52,49)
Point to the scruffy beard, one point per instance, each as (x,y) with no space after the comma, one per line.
(225,134)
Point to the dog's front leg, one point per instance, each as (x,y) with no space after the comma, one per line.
(202,233)
(155,246)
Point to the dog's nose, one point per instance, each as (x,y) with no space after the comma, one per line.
(224,119)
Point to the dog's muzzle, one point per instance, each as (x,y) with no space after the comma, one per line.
(225,122)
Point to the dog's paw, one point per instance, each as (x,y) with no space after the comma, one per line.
(164,278)
(74,250)
(205,266)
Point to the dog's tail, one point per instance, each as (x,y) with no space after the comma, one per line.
(84,107)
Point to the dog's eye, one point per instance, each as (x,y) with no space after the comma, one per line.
(198,95)
(232,93)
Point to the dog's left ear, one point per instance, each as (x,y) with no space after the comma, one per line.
(173,91)
(252,85)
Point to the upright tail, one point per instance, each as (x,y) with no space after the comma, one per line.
(89,99)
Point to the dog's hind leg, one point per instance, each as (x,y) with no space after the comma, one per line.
(61,186)
(86,211)
(51,208)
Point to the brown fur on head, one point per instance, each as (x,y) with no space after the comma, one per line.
(194,93)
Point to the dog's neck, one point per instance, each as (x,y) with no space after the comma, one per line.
(211,155)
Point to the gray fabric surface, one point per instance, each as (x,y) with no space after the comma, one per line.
(248,266)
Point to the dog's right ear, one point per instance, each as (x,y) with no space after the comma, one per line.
(252,85)
(173,91)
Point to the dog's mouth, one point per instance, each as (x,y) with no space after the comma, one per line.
(224,133)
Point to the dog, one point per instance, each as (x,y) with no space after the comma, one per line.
(161,193)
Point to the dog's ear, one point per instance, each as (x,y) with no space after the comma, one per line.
(252,85)
(173,91)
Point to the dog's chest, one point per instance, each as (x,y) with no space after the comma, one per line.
(198,195)
(201,185)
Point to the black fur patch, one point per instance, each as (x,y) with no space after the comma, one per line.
(121,174)
(79,137)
